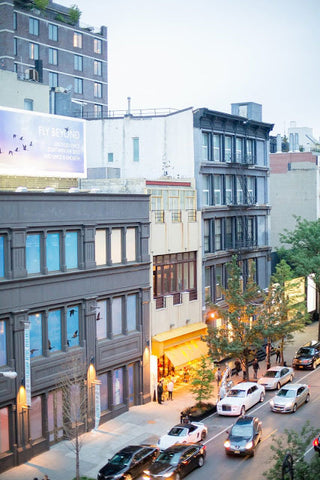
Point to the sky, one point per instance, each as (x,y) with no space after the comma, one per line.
(211,53)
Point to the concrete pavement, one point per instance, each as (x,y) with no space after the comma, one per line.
(141,424)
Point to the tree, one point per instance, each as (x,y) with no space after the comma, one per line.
(241,329)
(74,14)
(303,252)
(297,444)
(202,382)
(41,4)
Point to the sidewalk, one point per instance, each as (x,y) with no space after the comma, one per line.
(141,424)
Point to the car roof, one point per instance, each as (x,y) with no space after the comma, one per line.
(277,368)
(293,386)
(132,448)
(311,343)
(243,385)
(180,447)
(245,420)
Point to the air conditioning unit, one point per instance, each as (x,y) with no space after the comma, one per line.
(32,74)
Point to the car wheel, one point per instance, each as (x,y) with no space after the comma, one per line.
(278,386)
(262,397)
(203,435)
(200,461)
(294,409)
(307,398)
(243,410)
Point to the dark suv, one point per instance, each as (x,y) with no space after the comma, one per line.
(308,356)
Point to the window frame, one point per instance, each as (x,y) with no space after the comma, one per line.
(78,62)
(97,68)
(78,85)
(52,56)
(77,40)
(97,90)
(53,32)
(34,51)
(34,26)
(97,46)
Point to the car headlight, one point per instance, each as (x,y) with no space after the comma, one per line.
(167,475)
(249,445)
(271,403)
(227,444)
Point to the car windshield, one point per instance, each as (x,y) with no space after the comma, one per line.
(121,459)
(271,374)
(286,393)
(178,432)
(169,457)
(236,393)
(241,431)
(306,351)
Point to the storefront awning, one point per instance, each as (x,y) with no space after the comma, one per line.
(186,352)
(176,337)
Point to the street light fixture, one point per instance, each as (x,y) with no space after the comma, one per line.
(9,374)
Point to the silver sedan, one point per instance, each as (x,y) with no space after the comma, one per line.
(275,377)
(290,397)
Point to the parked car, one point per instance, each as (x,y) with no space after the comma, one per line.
(290,397)
(308,356)
(176,462)
(244,436)
(275,377)
(240,398)
(316,444)
(128,463)
(183,433)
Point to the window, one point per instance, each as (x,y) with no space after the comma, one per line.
(228,149)
(97,90)
(104,404)
(75,402)
(205,146)
(2,270)
(53,32)
(251,190)
(206,190)
(239,185)
(3,343)
(54,331)
(97,68)
(218,292)
(116,253)
(207,284)
(101,320)
(110,157)
(28,104)
(78,85)
(33,51)
(216,148)
(101,247)
(174,273)
(35,416)
(14,21)
(4,429)
(55,415)
(131,244)
(250,151)
(135,143)
(53,56)
(53,79)
(97,45)
(33,253)
(206,236)
(77,40)
(97,111)
(116,316)
(239,232)
(78,62)
(131,312)
(15,46)
(35,334)
(71,249)
(229,235)
(217,234)
(53,251)
(229,190)
(117,383)
(239,150)
(251,232)
(73,326)
(217,179)
(33,26)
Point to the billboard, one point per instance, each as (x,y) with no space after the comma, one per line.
(39,144)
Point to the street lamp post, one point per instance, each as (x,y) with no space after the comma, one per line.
(9,374)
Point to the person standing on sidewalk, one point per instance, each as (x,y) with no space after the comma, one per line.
(160,391)
(218,376)
(237,366)
(170,389)
(278,355)
(255,366)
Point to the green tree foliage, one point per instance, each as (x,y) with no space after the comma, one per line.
(238,331)
(202,382)
(297,444)
(41,4)
(75,14)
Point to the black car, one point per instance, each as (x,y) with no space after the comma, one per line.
(308,356)
(176,462)
(244,436)
(316,444)
(128,463)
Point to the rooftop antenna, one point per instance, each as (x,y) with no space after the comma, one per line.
(129,106)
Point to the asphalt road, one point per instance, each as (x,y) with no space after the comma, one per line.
(219,466)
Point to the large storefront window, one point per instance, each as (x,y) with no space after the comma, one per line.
(36,418)
(4,429)
(104,401)
(131,384)
(117,386)
(55,424)
(174,273)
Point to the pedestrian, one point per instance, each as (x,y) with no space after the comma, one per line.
(237,365)
(278,355)
(160,391)
(218,376)
(46,477)
(170,389)
(255,366)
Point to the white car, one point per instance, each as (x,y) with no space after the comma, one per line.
(240,398)
(275,377)
(192,432)
(290,397)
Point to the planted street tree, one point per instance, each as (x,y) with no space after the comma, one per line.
(242,330)
(202,382)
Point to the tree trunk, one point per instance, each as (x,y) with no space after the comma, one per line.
(77,450)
